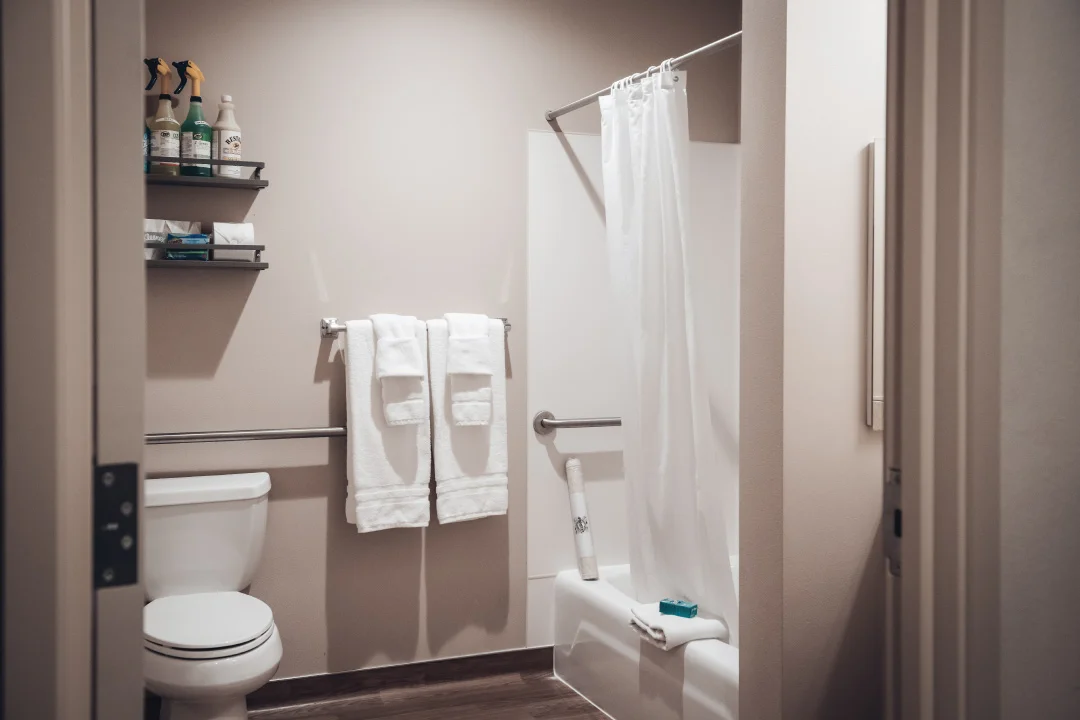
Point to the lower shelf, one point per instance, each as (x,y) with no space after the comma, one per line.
(207,265)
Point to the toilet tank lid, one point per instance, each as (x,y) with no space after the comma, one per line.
(206,489)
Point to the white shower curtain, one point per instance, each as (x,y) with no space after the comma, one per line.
(678,502)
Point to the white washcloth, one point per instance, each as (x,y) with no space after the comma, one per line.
(470,365)
(670,631)
(470,461)
(389,467)
(401,368)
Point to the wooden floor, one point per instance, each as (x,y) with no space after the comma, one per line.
(532,695)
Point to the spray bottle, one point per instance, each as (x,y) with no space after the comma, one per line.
(195,134)
(164,130)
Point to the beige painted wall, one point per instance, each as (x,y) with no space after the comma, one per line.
(1040,362)
(813,572)
(833,567)
(395,140)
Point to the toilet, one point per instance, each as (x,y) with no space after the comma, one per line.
(206,644)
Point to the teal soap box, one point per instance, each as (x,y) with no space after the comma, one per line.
(682,608)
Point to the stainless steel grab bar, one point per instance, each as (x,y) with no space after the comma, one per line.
(545,423)
(241,435)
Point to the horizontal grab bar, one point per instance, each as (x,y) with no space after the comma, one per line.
(545,423)
(241,435)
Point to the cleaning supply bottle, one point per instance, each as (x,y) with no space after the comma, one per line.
(226,144)
(196,133)
(151,66)
(164,130)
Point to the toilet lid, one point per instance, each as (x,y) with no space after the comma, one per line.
(206,621)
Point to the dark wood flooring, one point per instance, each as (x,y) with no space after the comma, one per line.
(527,695)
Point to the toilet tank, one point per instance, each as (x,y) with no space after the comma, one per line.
(203,534)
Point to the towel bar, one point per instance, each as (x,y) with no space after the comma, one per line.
(330,327)
(545,423)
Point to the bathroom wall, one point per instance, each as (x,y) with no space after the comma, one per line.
(395,137)
(574,345)
(1040,347)
(833,577)
(811,469)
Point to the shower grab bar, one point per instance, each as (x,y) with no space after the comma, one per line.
(330,327)
(176,438)
(545,423)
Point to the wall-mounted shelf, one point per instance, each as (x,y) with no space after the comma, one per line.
(207,182)
(255,182)
(206,264)
(255,264)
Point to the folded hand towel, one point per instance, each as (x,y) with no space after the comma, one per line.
(670,631)
(470,461)
(389,467)
(401,368)
(469,364)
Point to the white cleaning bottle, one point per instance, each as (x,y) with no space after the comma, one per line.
(226,139)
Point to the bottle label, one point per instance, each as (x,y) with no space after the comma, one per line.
(195,148)
(227,147)
(582,531)
(165,143)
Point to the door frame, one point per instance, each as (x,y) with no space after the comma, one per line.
(73,349)
(48,358)
(946,225)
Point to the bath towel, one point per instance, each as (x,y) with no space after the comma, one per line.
(470,460)
(388,466)
(401,369)
(469,365)
(670,631)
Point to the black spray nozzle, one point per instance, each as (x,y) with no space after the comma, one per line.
(152,66)
(181,70)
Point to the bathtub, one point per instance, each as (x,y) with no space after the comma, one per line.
(600,656)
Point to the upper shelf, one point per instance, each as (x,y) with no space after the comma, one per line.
(255,182)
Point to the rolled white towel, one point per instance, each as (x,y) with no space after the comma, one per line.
(668,632)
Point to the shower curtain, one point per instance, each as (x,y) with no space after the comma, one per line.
(679,504)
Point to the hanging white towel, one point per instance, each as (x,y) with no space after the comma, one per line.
(389,467)
(470,461)
(670,631)
(401,368)
(469,364)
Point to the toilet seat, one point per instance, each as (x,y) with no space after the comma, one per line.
(206,626)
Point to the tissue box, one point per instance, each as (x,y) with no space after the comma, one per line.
(187,239)
(157,231)
(682,608)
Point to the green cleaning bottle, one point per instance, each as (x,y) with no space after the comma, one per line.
(164,130)
(195,134)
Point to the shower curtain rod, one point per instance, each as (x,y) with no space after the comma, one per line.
(710,49)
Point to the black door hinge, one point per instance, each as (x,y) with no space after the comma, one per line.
(116,525)
(893,520)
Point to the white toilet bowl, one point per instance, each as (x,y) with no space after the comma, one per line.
(207,644)
(205,652)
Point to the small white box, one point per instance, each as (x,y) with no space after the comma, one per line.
(234,234)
